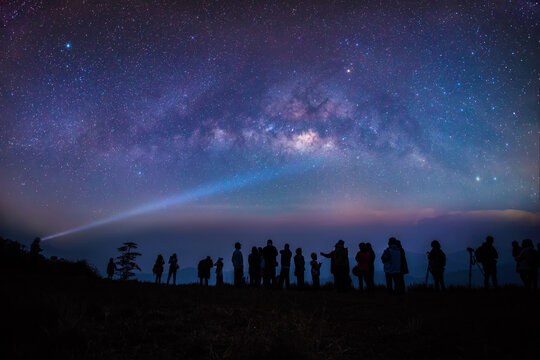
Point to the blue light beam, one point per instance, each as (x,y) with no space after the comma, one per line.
(236,182)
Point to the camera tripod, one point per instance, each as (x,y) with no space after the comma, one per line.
(473,261)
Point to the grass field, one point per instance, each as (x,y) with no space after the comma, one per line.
(62,317)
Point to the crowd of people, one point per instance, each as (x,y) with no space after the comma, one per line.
(262,264)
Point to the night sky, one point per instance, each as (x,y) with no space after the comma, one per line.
(383,113)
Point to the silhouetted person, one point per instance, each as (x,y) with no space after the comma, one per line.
(158,268)
(254,263)
(437,262)
(284,274)
(404,267)
(203,270)
(111,269)
(516,250)
(219,271)
(330,256)
(527,264)
(270,254)
(173,267)
(362,266)
(371,274)
(238,264)
(261,257)
(487,256)
(35,249)
(339,265)
(537,262)
(315,271)
(299,268)
(391,259)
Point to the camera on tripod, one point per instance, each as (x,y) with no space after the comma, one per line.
(473,261)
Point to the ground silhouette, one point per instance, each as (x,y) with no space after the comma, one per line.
(73,313)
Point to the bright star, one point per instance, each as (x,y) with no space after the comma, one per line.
(68,45)
(478,178)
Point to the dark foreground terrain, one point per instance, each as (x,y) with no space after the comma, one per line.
(56,316)
(58,309)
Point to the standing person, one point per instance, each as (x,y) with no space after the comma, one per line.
(35,248)
(173,267)
(238,264)
(371,274)
(284,274)
(527,264)
(254,262)
(339,265)
(516,250)
(270,254)
(203,270)
(362,260)
(436,264)
(537,262)
(158,268)
(111,269)
(315,271)
(487,255)
(299,268)
(263,264)
(391,259)
(404,267)
(219,271)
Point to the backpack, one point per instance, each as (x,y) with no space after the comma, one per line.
(480,254)
(341,256)
(385,256)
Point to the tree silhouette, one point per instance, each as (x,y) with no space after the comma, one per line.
(125,263)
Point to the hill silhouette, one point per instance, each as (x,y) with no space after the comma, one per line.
(16,261)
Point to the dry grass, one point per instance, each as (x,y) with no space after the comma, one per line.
(89,319)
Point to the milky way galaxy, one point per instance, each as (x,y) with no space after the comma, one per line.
(405,106)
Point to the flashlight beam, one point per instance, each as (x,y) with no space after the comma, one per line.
(236,182)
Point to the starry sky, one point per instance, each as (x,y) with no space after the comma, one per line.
(404,110)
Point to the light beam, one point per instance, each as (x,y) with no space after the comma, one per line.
(235,182)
